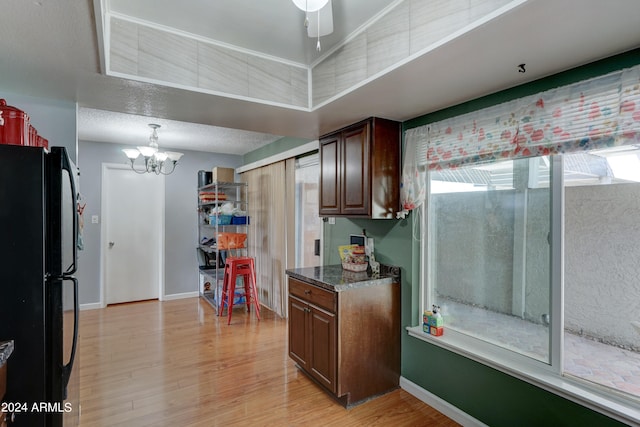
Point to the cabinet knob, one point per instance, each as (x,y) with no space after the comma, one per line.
(307,291)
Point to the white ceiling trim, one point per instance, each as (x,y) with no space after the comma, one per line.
(307,148)
(100,32)
(423,52)
(362,28)
(104,34)
(310,106)
(207,91)
(200,38)
(103,13)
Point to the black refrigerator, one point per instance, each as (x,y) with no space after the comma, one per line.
(38,290)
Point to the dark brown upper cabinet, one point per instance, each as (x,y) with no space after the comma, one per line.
(360,170)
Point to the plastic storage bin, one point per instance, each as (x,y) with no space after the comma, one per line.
(231,240)
(220,219)
(240,220)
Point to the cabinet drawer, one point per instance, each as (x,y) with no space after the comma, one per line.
(313,294)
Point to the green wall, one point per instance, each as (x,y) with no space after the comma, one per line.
(492,397)
(276,147)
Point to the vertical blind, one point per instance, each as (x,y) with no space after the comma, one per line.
(596,113)
(267,237)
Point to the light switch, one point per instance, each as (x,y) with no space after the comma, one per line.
(94,219)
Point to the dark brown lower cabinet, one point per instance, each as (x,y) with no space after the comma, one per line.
(313,346)
(348,341)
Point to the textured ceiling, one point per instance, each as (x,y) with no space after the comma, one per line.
(134,130)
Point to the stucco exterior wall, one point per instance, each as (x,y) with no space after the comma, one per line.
(476,254)
(602,262)
(602,249)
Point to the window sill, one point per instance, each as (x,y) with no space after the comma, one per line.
(599,399)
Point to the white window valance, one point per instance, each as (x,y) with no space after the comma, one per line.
(597,113)
(600,112)
(413,185)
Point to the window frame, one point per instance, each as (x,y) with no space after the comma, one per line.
(548,376)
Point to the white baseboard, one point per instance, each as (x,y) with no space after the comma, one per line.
(180,296)
(97,305)
(439,404)
(91,306)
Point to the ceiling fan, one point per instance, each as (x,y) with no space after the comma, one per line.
(318,17)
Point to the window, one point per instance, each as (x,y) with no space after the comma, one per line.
(601,253)
(489,265)
(531,237)
(488,252)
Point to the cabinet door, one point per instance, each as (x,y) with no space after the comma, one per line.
(323,353)
(355,178)
(298,337)
(330,172)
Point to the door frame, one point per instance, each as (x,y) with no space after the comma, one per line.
(103,231)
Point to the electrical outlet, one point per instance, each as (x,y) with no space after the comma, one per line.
(95,219)
(332,220)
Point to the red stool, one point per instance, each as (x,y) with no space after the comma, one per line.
(234,267)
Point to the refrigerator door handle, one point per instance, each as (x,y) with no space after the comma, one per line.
(66,369)
(66,165)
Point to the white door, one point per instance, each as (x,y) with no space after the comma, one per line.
(132,234)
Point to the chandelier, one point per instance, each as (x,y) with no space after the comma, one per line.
(158,162)
(314,7)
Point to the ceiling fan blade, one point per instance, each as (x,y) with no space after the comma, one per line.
(326,21)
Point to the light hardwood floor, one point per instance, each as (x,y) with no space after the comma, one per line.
(175,363)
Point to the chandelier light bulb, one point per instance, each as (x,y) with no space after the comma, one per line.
(174,156)
(154,160)
(161,156)
(147,151)
(131,153)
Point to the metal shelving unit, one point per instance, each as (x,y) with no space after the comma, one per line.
(211,258)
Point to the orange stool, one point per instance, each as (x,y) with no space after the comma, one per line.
(234,267)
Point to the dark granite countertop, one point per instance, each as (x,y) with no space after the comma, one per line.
(334,278)
(6,348)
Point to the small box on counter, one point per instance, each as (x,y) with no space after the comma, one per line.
(223,174)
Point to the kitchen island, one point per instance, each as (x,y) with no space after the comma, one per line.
(344,329)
